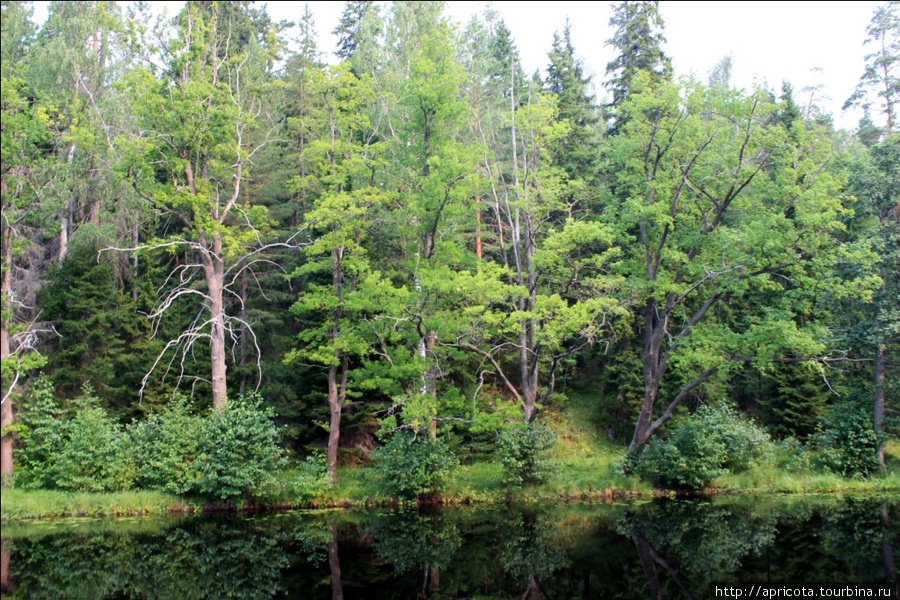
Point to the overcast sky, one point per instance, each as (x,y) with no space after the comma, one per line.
(808,44)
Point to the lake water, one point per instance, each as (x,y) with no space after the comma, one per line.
(655,549)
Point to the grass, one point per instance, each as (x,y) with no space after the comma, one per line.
(36,504)
(585,468)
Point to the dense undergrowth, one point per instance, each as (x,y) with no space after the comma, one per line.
(569,462)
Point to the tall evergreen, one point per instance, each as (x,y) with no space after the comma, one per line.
(638,39)
(882,74)
(578,152)
(348,28)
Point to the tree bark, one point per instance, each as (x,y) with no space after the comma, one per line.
(335,395)
(214,269)
(5,556)
(334,564)
(334,426)
(431,383)
(6,412)
(878,412)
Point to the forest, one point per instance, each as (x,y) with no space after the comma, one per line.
(234,262)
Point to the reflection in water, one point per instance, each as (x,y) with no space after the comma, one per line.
(4,568)
(334,564)
(887,553)
(660,549)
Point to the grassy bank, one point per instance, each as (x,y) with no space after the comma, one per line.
(585,469)
(38,504)
(576,478)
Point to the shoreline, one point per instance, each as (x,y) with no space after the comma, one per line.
(116,505)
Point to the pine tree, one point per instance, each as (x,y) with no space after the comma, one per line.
(882,74)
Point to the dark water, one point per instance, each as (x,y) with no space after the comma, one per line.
(662,549)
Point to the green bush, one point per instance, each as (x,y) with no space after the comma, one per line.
(847,440)
(38,436)
(709,444)
(166,448)
(95,455)
(81,451)
(746,443)
(523,454)
(305,484)
(689,458)
(793,455)
(238,450)
(411,466)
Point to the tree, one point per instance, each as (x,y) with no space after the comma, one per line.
(348,28)
(638,41)
(191,159)
(720,207)
(23,171)
(340,165)
(881,74)
(578,152)
(875,331)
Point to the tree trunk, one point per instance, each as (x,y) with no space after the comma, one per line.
(431,383)
(335,396)
(215,281)
(6,461)
(334,564)
(334,428)
(878,413)
(63,239)
(478,250)
(5,555)
(652,344)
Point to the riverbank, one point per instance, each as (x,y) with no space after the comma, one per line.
(581,479)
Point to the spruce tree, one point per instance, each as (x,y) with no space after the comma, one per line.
(638,40)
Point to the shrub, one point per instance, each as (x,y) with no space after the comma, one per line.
(94,454)
(166,448)
(238,450)
(709,444)
(38,436)
(523,454)
(746,443)
(411,466)
(847,440)
(85,451)
(688,458)
(309,482)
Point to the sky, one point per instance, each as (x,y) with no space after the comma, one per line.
(812,45)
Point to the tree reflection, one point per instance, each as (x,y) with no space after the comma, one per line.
(418,541)
(215,559)
(532,547)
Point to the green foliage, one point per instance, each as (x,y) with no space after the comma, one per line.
(848,441)
(306,483)
(84,451)
(523,453)
(100,330)
(413,466)
(746,443)
(688,459)
(38,435)
(166,448)
(94,455)
(239,450)
(712,442)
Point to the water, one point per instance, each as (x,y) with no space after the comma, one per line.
(663,549)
